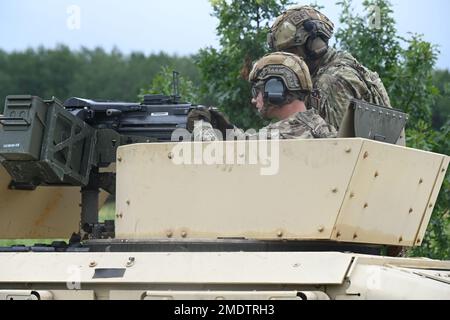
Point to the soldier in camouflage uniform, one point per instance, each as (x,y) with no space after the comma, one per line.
(337,77)
(280,85)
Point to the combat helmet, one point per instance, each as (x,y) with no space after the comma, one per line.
(301,26)
(282,77)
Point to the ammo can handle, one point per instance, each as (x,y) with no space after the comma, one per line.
(19,121)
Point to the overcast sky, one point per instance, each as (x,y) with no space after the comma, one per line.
(173,26)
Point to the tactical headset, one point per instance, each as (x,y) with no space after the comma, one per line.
(275,92)
(317,43)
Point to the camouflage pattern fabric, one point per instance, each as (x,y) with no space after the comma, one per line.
(302,125)
(290,68)
(204,131)
(339,78)
(288,29)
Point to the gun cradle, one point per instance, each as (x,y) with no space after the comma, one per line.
(44,143)
(45,213)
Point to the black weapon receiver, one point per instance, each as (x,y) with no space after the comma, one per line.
(157,117)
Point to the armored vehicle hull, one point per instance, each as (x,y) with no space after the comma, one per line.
(244,275)
(216,230)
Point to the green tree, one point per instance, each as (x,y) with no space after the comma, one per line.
(163,84)
(242,29)
(357,37)
(441,108)
(437,240)
(406,68)
(406,73)
(86,73)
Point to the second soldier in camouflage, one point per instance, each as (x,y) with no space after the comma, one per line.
(337,76)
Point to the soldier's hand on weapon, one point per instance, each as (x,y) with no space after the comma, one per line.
(198,114)
(220,121)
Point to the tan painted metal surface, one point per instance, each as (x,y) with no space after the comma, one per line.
(389,195)
(232,295)
(432,201)
(50,295)
(45,213)
(414,263)
(222,275)
(158,198)
(351,190)
(176,268)
(25,295)
(387,282)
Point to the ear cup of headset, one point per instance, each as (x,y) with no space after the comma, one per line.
(275,92)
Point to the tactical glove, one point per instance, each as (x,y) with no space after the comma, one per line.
(197,114)
(220,121)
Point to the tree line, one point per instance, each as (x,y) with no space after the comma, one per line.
(87,73)
(98,74)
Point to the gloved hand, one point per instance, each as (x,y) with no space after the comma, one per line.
(197,114)
(220,121)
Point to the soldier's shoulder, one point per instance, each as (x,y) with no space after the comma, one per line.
(336,57)
(304,125)
(319,127)
(281,125)
(310,117)
(337,65)
(294,127)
